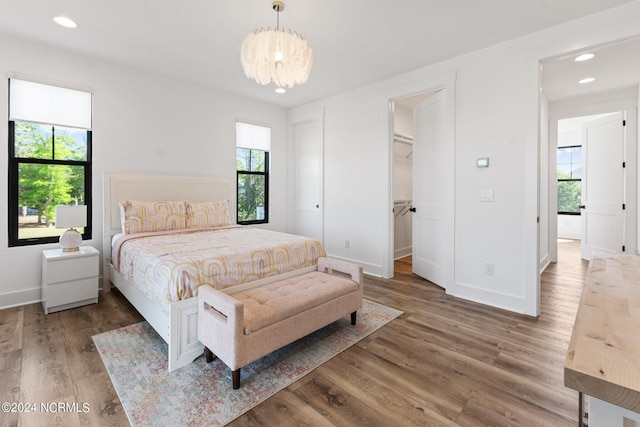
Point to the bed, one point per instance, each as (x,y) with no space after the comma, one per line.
(163,286)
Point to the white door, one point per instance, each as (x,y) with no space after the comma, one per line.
(432,192)
(308,161)
(603,185)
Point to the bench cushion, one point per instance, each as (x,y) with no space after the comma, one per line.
(271,303)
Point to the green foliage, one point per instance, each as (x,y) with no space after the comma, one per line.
(43,186)
(251,188)
(569,194)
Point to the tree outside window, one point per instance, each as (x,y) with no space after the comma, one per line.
(50,165)
(253,143)
(252,179)
(49,160)
(569,180)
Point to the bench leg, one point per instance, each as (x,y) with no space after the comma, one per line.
(235,378)
(353,317)
(208,355)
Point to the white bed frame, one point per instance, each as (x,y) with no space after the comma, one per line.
(179,329)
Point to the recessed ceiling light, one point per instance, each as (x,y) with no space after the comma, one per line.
(584,57)
(281,90)
(65,22)
(587,80)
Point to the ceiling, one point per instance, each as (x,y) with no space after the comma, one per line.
(615,65)
(355,42)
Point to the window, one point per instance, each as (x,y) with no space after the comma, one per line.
(49,159)
(253,144)
(569,180)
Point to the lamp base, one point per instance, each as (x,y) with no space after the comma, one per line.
(70,240)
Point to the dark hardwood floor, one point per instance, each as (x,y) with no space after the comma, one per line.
(445,361)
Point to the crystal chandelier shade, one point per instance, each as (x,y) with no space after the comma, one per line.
(276,55)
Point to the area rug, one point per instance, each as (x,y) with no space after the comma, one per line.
(200,394)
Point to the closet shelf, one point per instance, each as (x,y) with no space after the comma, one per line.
(401,207)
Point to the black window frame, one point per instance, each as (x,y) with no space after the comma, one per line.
(569,180)
(265,174)
(13,190)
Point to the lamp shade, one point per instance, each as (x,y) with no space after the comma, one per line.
(276,55)
(71,216)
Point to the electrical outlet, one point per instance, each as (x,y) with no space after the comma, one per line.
(347,243)
(488,268)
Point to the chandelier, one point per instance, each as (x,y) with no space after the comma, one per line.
(276,55)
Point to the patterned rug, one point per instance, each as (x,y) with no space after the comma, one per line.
(200,394)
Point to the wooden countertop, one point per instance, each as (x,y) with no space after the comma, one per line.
(603,358)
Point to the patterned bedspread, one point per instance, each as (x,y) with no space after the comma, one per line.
(170,266)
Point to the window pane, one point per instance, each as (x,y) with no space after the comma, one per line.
(257,161)
(569,196)
(70,144)
(242,159)
(576,171)
(33,141)
(250,160)
(576,155)
(42,187)
(570,162)
(564,156)
(564,171)
(251,200)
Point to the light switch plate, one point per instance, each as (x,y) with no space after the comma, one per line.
(486,195)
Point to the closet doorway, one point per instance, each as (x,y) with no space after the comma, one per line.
(416,203)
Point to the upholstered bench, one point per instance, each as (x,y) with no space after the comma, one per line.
(241,327)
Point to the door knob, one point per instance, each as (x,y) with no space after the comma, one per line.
(583,207)
(412,209)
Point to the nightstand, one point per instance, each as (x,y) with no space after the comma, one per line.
(69,279)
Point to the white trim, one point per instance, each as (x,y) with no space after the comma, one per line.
(23,297)
(505,301)
(445,80)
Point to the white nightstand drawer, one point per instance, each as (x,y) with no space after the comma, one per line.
(78,290)
(61,270)
(69,279)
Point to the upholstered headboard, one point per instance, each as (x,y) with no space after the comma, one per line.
(119,187)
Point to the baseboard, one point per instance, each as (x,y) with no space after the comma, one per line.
(28,296)
(544,263)
(370,269)
(16,299)
(403,252)
(494,299)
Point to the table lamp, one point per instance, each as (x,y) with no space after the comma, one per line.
(70,217)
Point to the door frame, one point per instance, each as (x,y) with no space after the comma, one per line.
(446,80)
(617,101)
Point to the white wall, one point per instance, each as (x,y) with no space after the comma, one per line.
(496,115)
(141,123)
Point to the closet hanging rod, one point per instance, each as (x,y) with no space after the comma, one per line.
(402,139)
